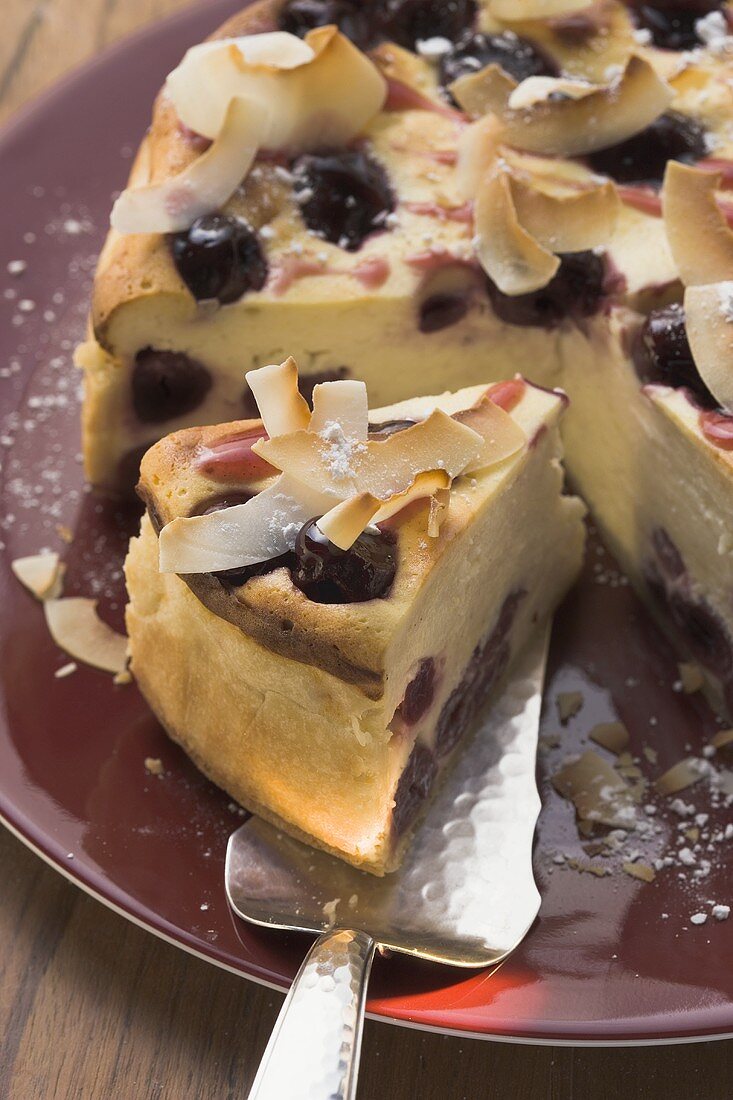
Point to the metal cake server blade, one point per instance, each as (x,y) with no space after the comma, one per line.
(465,894)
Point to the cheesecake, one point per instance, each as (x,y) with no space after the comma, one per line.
(432,196)
(321,601)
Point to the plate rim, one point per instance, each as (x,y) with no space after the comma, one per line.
(41,845)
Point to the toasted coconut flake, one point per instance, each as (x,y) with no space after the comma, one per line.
(679,777)
(478,146)
(709,325)
(346,521)
(317,92)
(509,255)
(604,117)
(611,735)
(484,92)
(569,222)
(42,574)
(539,89)
(77,629)
(202,187)
(283,408)
(515,11)
(343,402)
(342,467)
(699,236)
(501,434)
(597,791)
(261,528)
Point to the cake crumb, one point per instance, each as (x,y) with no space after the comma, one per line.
(691,677)
(569,703)
(721,912)
(121,678)
(64,533)
(329,910)
(154,765)
(698,918)
(639,870)
(610,735)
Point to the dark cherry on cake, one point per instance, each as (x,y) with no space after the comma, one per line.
(576,290)
(344,195)
(353,18)
(440,311)
(219,258)
(327,574)
(662,354)
(672,25)
(517,56)
(167,384)
(642,159)
(408,22)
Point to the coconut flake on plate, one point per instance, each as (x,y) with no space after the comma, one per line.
(205,185)
(77,629)
(42,574)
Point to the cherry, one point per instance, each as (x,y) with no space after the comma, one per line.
(703,631)
(167,384)
(576,290)
(642,159)
(668,555)
(517,56)
(343,195)
(419,693)
(439,311)
(219,257)
(327,574)
(407,22)
(413,786)
(662,354)
(672,24)
(300,16)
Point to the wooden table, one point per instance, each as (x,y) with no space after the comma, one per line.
(93,1007)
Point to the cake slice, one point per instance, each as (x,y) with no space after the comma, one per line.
(318,606)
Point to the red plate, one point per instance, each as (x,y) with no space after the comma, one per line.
(602,963)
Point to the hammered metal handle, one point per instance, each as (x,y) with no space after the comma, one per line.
(313,1052)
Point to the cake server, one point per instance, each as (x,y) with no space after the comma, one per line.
(465,894)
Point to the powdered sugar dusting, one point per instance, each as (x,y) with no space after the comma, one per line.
(725,299)
(341,453)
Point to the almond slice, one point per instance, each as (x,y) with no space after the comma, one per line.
(343,467)
(258,530)
(283,409)
(42,574)
(515,11)
(509,255)
(478,147)
(709,325)
(321,91)
(699,236)
(343,403)
(570,124)
(77,629)
(501,434)
(202,187)
(346,521)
